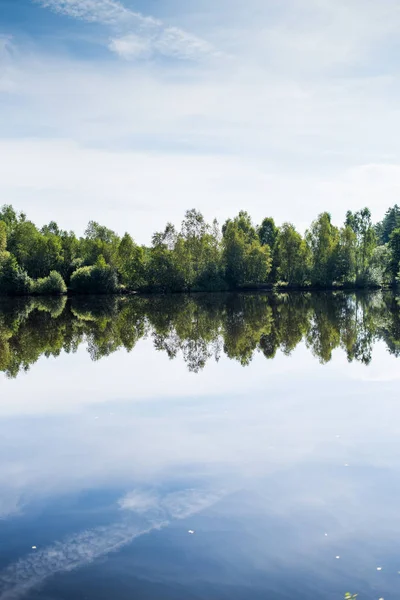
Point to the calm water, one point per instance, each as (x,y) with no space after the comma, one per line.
(269,427)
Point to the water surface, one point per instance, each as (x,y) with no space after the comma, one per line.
(268,426)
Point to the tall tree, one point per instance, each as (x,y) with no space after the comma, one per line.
(246,261)
(293,255)
(390,222)
(244,224)
(268,232)
(361,223)
(323,239)
(99,241)
(345,256)
(131,263)
(9,216)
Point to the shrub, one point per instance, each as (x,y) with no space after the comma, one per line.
(97,279)
(53,285)
(13,280)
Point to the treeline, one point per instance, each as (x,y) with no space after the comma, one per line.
(199,256)
(199,328)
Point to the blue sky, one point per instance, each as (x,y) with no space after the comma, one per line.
(131,112)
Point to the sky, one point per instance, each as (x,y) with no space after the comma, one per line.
(130,112)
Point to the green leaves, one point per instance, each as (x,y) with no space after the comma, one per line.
(199,258)
(323,240)
(293,256)
(246,261)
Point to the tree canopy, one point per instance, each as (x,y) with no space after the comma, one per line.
(199,256)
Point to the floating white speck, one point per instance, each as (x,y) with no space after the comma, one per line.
(326,535)
(33,547)
(338,437)
(337,558)
(191,532)
(346,465)
(96,418)
(379,568)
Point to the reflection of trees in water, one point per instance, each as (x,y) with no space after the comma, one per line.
(199,328)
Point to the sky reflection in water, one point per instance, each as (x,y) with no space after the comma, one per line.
(109,458)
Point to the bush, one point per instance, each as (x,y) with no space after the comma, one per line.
(53,285)
(13,280)
(98,279)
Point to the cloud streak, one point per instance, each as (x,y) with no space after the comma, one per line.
(134,34)
(79,550)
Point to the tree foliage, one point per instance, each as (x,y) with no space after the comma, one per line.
(200,256)
(97,279)
(293,256)
(390,222)
(323,240)
(361,224)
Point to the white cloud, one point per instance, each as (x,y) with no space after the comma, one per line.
(301,100)
(148,32)
(130,46)
(108,12)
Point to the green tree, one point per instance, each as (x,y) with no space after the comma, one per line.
(189,251)
(323,240)
(162,274)
(391,221)
(244,224)
(293,256)
(380,268)
(35,252)
(361,223)
(246,261)
(3,236)
(394,245)
(268,233)
(131,263)
(99,241)
(166,238)
(13,280)
(345,256)
(70,253)
(10,217)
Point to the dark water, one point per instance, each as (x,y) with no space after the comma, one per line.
(267,425)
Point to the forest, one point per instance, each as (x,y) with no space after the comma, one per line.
(199,328)
(200,256)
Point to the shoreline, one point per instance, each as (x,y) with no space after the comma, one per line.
(249,289)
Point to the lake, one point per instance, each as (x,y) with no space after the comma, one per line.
(213,447)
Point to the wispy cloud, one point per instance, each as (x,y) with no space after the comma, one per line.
(134,34)
(81,549)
